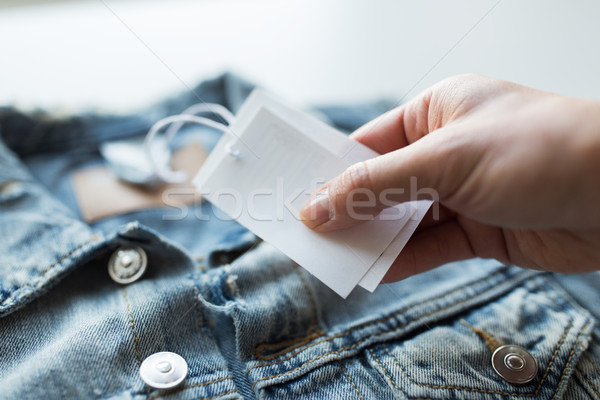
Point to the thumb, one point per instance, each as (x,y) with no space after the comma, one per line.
(432,167)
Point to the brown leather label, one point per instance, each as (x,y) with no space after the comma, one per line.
(101,194)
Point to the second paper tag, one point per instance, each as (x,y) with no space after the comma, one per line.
(262,173)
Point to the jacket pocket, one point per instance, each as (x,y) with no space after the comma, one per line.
(442,349)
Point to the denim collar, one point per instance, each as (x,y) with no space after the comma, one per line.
(42,240)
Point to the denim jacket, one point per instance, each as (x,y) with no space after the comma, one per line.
(249,322)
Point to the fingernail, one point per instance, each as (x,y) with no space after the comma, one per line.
(316,211)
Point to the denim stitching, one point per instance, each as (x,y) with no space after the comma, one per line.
(349,347)
(351,381)
(355,344)
(314,331)
(291,343)
(219,395)
(386,372)
(387,317)
(44,272)
(311,298)
(157,396)
(491,342)
(558,346)
(593,363)
(592,385)
(570,358)
(539,387)
(135,335)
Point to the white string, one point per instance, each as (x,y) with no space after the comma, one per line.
(201,108)
(165,173)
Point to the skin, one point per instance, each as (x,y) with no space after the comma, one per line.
(517,172)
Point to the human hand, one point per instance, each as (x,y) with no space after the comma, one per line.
(516,171)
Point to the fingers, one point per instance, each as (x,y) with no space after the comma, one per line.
(397,128)
(436,215)
(429,168)
(385,133)
(430,248)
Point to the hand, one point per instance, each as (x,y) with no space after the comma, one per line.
(517,172)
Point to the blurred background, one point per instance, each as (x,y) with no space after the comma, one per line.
(119,55)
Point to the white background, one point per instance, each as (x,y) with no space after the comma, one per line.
(122,55)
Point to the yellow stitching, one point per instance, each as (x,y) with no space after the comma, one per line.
(386,372)
(592,384)
(491,342)
(308,362)
(359,342)
(156,396)
(313,302)
(286,342)
(570,358)
(44,272)
(219,395)
(135,335)
(593,363)
(558,346)
(351,381)
(594,388)
(447,386)
(382,319)
(297,342)
(539,387)
(484,390)
(353,346)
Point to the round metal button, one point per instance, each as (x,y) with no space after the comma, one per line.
(127,264)
(163,370)
(514,364)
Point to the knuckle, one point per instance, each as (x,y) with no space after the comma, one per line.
(356,176)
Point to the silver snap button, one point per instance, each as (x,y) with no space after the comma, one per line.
(163,370)
(514,364)
(127,264)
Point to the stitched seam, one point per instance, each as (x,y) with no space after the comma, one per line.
(311,298)
(449,386)
(297,342)
(360,342)
(539,387)
(558,346)
(351,381)
(219,395)
(355,344)
(564,371)
(491,342)
(592,385)
(314,332)
(44,272)
(594,364)
(383,319)
(135,335)
(156,396)
(386,372)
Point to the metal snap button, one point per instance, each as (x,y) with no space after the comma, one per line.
(127,264)
(163,370)
(514,364)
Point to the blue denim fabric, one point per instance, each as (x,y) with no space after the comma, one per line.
(248,321)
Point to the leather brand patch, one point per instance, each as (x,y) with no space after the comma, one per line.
(100,194)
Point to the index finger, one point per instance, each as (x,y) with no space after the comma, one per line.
(398,127)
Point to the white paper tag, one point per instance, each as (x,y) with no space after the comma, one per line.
(284,156)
